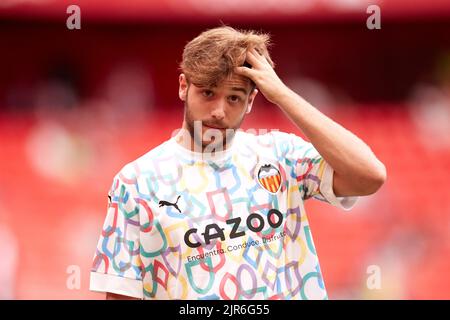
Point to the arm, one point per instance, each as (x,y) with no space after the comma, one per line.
(357,171)
(122,208)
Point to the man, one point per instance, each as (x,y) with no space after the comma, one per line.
(216,213)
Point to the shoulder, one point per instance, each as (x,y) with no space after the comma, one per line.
(134,169)
(273,139)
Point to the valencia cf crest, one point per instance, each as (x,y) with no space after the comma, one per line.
(269,178)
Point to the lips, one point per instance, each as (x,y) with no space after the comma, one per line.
(213,126)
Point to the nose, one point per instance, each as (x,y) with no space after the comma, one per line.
(218,112)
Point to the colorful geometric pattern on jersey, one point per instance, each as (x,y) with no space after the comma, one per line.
(181,225)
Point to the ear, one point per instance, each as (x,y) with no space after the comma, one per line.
(182,90)
(251,99)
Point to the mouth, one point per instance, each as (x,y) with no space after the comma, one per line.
(213,127)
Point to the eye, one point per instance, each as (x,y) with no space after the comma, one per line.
(207,93)
(234,98)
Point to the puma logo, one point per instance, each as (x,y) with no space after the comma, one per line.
(167,203)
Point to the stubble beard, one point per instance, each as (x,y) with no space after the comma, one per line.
(218,141)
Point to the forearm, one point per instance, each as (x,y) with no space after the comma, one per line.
(356,169)
(348,155)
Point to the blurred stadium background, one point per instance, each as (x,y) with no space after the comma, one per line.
(76,105)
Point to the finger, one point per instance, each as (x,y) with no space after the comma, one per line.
(258,55)
(253,59)
(256,52)
(244,71)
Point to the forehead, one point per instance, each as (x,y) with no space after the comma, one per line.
(234,82)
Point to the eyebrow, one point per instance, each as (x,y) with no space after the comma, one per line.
(239,89)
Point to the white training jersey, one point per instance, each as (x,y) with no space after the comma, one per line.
(181,225)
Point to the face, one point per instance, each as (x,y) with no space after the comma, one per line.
(213,114)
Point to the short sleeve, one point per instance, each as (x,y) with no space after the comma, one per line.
(313,174)
(117,267)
